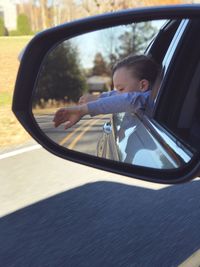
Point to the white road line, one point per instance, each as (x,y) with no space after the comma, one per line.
(19,151)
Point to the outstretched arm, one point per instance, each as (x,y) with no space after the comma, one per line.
(127,102)
(70,115)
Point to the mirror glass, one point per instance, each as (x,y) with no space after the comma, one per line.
(79,72)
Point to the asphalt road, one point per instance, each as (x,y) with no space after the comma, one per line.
(57,213)
(81,137)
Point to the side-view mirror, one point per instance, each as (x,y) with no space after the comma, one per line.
(81,93)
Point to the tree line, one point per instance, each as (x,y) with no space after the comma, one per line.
(36,15)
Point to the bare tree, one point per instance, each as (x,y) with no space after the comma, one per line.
(69,10)
(47,13)
(44,13)
(21,9)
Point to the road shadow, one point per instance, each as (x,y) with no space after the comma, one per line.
(104,224)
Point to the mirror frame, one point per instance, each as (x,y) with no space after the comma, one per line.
(30,66)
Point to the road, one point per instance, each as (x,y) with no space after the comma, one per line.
(58,213)
(81,137)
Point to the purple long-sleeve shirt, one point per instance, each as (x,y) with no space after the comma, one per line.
(114,102)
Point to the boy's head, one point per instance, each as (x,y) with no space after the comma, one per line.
(135,74)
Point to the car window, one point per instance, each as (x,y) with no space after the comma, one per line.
(182,88)
(188,125)
(165,58)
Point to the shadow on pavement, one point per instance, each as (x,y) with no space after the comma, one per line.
(105,224)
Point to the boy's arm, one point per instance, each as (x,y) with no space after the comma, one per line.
(70,115)
(126,102)
(109,93)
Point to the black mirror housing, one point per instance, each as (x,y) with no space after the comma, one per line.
(30,66)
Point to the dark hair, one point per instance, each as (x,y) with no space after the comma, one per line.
(143,67)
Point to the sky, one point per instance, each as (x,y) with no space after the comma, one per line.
(98,41)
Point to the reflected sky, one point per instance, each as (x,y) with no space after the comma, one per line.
(102,41)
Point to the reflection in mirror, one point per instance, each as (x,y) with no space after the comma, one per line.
(136,143)
(78,73)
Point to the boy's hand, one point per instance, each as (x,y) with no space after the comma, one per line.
(69,115)
(87,98)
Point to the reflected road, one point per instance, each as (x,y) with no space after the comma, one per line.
(82,137)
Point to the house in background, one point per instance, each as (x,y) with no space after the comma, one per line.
(8,11)
(98,84)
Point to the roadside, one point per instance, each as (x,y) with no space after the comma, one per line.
(12,134)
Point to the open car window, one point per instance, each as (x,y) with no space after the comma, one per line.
(162,50)
(182,89)
(188,123)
